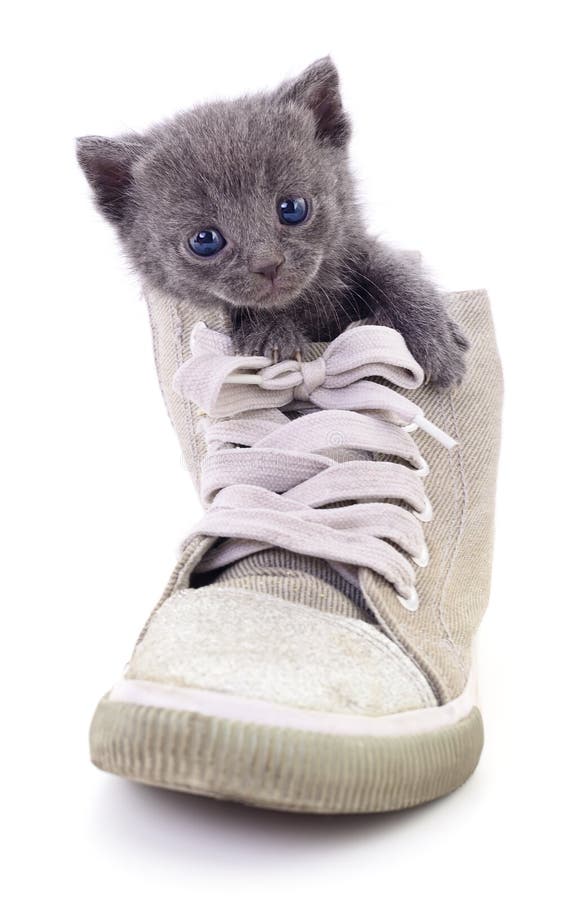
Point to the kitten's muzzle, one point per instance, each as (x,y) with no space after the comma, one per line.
(268,268)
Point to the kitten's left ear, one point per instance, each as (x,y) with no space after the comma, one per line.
(317,88)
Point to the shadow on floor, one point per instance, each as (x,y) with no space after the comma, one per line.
(169,824)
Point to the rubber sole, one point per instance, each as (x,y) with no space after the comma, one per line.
(279,767)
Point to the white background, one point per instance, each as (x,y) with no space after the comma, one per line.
(467,148)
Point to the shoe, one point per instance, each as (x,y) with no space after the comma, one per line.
(313,649)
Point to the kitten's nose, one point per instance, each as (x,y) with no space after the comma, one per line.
(268,268)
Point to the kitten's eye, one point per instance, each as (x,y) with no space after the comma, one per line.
(293,210)
(207,242)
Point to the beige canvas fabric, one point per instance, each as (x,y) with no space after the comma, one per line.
(461,485)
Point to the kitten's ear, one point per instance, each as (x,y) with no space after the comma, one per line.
(317,88)
(107,164)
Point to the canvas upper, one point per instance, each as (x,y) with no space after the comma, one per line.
(287,627)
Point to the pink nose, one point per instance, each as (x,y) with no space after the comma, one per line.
(268,268)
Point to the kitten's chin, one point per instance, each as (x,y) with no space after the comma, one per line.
(270,301)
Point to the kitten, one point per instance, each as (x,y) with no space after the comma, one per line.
(252,202)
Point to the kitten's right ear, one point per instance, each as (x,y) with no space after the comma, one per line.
(107,164)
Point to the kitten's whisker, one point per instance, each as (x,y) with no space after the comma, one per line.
(333,307)
(374,284)
(353,306)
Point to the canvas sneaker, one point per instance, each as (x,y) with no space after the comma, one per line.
(313,650)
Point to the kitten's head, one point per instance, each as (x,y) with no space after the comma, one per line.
(249,200)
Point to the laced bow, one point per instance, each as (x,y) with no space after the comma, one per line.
(292,452)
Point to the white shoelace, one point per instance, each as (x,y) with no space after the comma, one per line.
(270,480)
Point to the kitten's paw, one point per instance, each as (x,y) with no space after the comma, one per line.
(444,361)
(280,339)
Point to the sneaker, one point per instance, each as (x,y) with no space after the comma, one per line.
(313,650)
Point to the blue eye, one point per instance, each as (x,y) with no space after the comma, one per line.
(293,210)
(207,242)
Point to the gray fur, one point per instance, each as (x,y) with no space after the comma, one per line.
(225,165)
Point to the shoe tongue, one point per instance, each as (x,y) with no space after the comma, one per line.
(299,579)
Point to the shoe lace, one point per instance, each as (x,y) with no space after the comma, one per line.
(293,452)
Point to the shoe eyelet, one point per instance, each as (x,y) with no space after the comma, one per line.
(410,603)
(423,469)
(423,559)
(426,514)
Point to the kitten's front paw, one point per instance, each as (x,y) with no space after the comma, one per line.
(444,355)
(280,339)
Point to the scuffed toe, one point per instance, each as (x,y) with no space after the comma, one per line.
(260,647)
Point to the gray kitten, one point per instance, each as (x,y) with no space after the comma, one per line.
(251,202)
